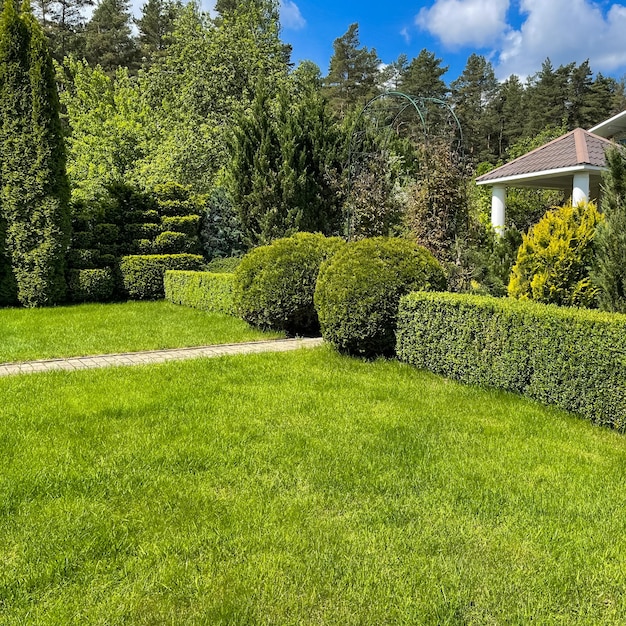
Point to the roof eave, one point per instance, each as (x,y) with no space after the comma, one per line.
(576,169)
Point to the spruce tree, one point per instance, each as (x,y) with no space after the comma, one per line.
(609,270)
(156,25)
(34,192)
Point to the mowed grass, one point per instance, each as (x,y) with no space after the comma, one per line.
(28,334)
(302,488)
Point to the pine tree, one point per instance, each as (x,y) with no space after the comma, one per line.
(422,77)
(353,74)
(64,24)
(156,25)
(509,106)
(546,97)
(34,193)
(108,40)
(473,95)
(609,270)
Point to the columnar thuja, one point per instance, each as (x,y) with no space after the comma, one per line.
(34,192)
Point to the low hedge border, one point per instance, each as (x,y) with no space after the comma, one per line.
(207,291)
(142,275)
(571,358)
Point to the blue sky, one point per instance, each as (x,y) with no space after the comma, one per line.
(515,35)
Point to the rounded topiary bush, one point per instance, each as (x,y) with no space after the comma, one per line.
(274,284)
(359,289)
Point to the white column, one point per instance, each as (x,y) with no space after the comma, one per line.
(580,192)
(498,208)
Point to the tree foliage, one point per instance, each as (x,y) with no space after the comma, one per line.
(609,271)
(34,190)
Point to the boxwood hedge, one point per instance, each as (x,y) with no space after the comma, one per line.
(91,285)
(572,358)
(142,275)
(207,291)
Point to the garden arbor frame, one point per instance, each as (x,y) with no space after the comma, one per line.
(415,105)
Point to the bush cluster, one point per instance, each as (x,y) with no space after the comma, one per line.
(358,291)
(572,358)
(274,284)
(207,291)
(94,285)
(142,275)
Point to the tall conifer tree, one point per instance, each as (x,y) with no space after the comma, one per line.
(34,191)
(609,272)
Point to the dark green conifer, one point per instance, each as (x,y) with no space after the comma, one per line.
(609,271)
(34,190)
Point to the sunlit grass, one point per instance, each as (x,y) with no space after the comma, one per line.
(302,488)
(27,334)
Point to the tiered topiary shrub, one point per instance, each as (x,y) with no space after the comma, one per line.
(206,291)
(274,284)
(358,291)
(572,358)
(142,275)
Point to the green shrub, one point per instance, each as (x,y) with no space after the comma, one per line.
(94,285)
(142,217)
(359,288)
(572,358)
(142,275)
(83,259)
(554,260)
(274,284)
(200,290)
(175,243)
(224,266)
(82,239)
(143,231)
(143,246)
(106,233)
(188,224)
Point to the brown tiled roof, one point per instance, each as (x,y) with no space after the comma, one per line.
(578,147)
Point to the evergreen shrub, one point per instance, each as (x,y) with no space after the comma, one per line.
(106,233)
(274,284)
(81,258)
(359,288)
(143,246)
(92,285)
(572,358)
(188,224)
(553,263)
(147,230)
(82,239)
(142,275)
(226,265)
(175,243)
(207,291)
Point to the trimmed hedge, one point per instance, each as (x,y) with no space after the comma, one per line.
(169,242)
(188,224)
(358,291)
(142,275)
(91,285)
(274,284)
(226,265)
(206,291)
(572,358)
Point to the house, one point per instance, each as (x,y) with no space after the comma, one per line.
(573,161)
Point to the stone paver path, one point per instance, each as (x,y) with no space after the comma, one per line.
(156,356)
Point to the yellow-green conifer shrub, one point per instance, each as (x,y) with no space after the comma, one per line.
(555,257)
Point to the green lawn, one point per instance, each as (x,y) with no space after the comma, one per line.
(27,334)
(302,488)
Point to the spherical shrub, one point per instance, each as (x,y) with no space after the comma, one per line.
(554,260)
(274,284)
(359,289)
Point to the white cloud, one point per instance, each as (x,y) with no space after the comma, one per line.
(406,35)
(290,16)
(465,22)
(565,31)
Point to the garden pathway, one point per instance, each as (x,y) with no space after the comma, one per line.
(156,356)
